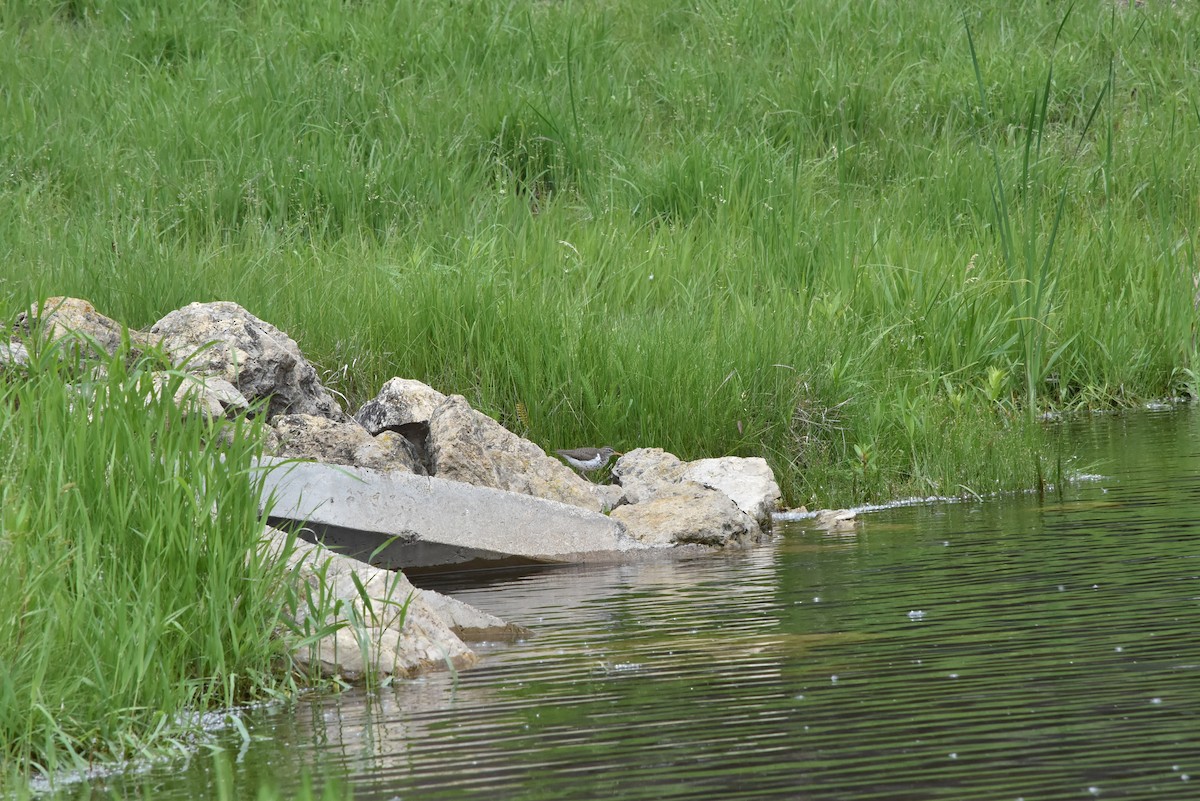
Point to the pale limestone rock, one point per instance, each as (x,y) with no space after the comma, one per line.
(212,397)
(645,473)
(13,354)
(468,446)
(60,317)
(305,436)
(400,402)
(403,406)
(610,496)
(222,339)
(749,482)
(402,636)
(688,514)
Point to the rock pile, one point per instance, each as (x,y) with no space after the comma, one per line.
(416,447)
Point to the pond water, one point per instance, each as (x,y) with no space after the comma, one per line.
(1035,648)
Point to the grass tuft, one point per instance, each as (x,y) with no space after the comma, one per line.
(136,593)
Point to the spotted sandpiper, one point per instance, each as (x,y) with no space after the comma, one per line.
(585,460)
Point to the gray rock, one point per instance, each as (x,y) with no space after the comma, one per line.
(222,339)
(305,436)
(468,446)
(13,353)
(418,521)
(403,406)
(645,473)
(709,502)
(688,514)
(400,402)
(61,317)
(611,496)
(469,623)
(748,482)
(401,634)
(212,397)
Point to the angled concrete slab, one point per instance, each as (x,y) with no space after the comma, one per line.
(396,520)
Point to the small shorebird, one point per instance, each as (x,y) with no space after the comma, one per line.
(585,460)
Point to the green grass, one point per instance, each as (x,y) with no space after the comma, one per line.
(755,228)
(845,236)
(135,596)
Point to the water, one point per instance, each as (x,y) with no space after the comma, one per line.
(1019,648)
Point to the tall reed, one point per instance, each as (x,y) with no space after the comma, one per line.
(1028,255)
(135,597)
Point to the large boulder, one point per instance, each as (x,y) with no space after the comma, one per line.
(61,317)
(403,406)
(305,436)
(688,514)
(395,631)
(468,446)
(400,402)
(718,502)
(748,482)
(646,473)
(222,339)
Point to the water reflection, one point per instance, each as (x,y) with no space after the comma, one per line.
(1054,656)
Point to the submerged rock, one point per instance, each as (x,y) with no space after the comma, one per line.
(393,631)
(224,340)
(836,520)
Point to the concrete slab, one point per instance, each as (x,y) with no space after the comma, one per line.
(396,520)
